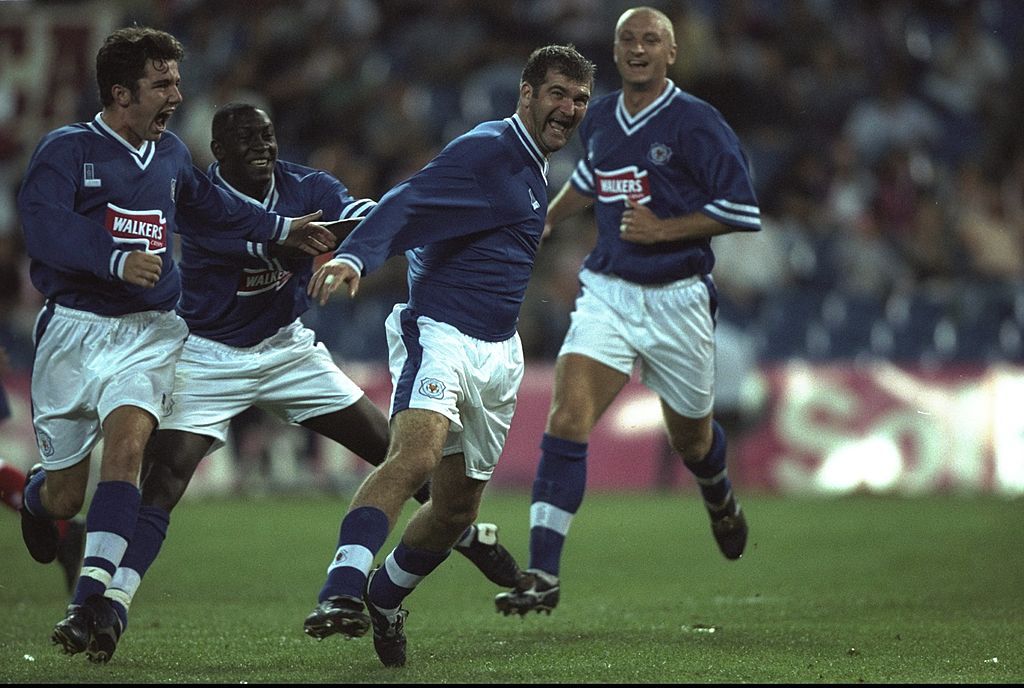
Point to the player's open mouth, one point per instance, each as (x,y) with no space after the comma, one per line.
(636,64)
(161,119)
(261,163)
(561,128)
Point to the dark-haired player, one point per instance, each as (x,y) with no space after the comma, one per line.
(667,174)
(99,204)
(470,221)
(242,301)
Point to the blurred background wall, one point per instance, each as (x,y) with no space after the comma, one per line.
(870,337)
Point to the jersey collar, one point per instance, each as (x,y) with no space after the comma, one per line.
(269,202)
(529,144)
(142,155)
(632,123)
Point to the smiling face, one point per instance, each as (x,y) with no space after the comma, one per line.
(247,150)
(552,112)
(644,48)
(145,112)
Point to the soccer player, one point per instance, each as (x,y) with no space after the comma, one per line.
(242,301)
(667,174)
(70,540)
(98,204)
(470,222)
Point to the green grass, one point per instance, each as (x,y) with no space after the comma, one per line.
(848,590)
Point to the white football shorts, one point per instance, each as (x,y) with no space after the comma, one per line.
(87,365)
(666,330)
(289,374)
(471,382)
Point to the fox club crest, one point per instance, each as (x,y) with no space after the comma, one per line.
(659,153)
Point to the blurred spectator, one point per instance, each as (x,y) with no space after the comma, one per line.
(994,245)
(858,117)
(891,118)
(970,66)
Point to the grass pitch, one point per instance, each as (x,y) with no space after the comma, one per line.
(857,589)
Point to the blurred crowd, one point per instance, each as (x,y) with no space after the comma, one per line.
(885,140)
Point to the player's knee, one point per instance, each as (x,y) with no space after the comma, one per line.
(454,517)
(409,468)
(691,448)
(570,422)
(163,487)
(64,504)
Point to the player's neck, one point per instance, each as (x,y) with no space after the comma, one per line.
(253,190)
(120,126)
(638,96)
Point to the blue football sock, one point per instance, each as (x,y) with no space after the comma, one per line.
(557,495)
(150,532)
(402,571)
(33,499)
(711,473)
(362,534)
(109,526)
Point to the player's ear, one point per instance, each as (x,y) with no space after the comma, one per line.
(217,149)
(122,95)
(525,93)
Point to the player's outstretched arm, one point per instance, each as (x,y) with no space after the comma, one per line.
(330,276)
(309,236)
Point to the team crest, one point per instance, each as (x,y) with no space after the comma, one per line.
(432,387)
(659,153)
(45,444)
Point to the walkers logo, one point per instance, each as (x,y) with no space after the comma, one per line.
(139,227)
(259,280)
(627,182)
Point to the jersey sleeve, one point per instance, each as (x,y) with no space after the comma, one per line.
(55,234)
(442,201)
(331,196)
(582,178)
(202,203)
(718,164)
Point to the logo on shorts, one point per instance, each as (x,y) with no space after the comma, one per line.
(432,387)
(45,444)
(166,404)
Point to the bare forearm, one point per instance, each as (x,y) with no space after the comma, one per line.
(641,226)
(566,203)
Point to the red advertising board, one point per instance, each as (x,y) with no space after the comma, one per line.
(820,429)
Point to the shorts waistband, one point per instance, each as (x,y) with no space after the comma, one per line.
(89,317)
(667,286)
(204,343)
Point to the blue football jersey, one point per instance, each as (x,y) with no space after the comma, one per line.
(89,197)
(469,223)
(233,290)
(678,156)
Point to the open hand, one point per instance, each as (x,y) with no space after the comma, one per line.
(329,277)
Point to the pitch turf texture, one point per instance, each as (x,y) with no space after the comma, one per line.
(848,590)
